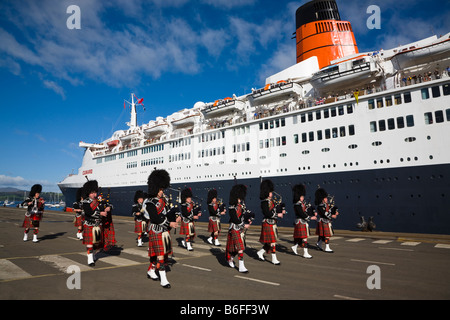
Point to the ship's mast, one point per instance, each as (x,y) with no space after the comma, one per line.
(133,121)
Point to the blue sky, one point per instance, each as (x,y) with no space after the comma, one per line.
(61,86)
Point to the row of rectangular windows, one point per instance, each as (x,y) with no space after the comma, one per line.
(150,162)
(387,100)
(272,142)
(400,121)
(333,112)
(211,152)
(329,133)
(435,91)
(272,124)
(438,116)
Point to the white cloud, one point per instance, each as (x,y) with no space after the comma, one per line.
(25,184)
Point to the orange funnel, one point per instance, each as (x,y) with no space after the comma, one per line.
(321,33)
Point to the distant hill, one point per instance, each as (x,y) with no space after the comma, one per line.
(11,190)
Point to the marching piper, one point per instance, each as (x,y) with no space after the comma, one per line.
(269,232)
(239,223)
(79,215)
(326,211)
(216,210)
(108,231)
(34,213)
(188,215)
(160,242)
(92,227)
(304,212)
(140,223)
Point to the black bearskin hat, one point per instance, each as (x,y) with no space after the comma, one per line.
(298,191)
(139,194)
(211,195)
(186,193)
(238,191)
(158,179)
(37,188)
(320,195)
(79,194)
(265,188)
(88,187)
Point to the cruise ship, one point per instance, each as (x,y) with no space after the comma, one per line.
(370,128)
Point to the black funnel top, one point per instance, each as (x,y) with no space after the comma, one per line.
(317,10)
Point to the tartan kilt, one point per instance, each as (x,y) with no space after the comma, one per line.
(301,231)
(234,242)
(88,238)
(214,226)
(138,228)
(27,223)
(79,220)
(156,245)
(109,235)
(187,228)
(324,229)
(269,233)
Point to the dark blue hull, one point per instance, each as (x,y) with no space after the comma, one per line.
(412,199)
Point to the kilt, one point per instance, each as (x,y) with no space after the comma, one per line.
(88,238)
(159,244)
(214,226)
(27,223)
(235,243)
(324,229)
(187,229)
(138,227)
(109,235)
(269,233)
(79,221)
(301,231)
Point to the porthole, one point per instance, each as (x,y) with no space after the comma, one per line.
(353,146)
(410,139)
(377,143)
(325,149)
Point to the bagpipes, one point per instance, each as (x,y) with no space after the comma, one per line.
(309,208)
(279,204)
(248,215)
(173,210)
(332,204)
(37,212)
(103,204)
(221,205)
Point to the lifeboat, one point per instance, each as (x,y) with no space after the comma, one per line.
(91,146)
(412,56)
(157,127)
(129,135)
(185,119)
(113,143)
(346,74)
(275,91)
(222,108)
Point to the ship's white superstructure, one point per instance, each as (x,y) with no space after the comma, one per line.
(375,112)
